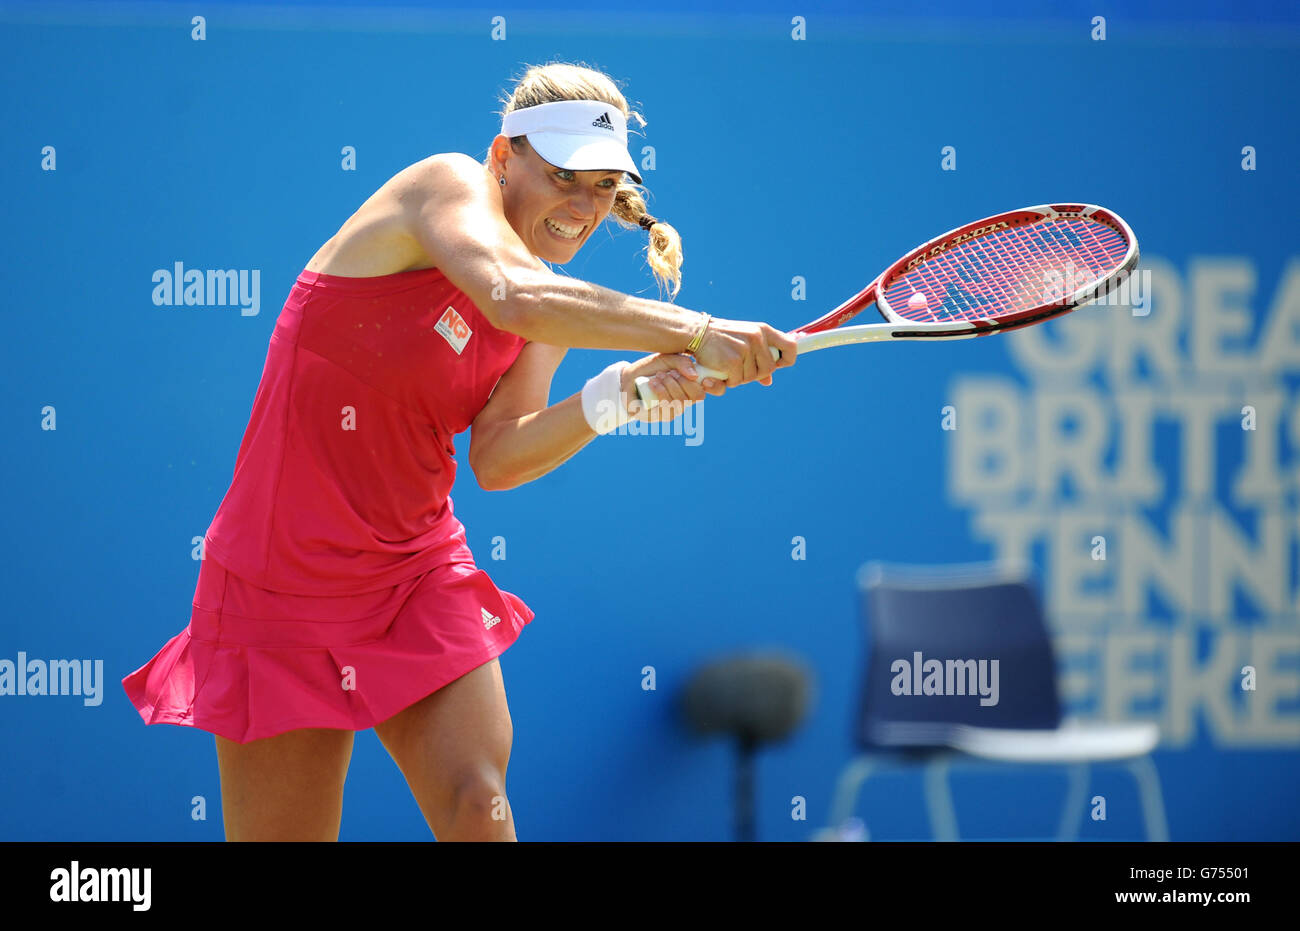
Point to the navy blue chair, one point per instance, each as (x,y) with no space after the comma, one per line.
(960,670)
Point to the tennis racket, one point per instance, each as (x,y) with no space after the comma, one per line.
(1000,273)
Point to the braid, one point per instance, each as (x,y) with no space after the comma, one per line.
(563,81)
(664,252)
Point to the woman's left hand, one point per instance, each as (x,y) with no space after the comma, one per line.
(674,381)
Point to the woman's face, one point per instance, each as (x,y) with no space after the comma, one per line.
(553,210)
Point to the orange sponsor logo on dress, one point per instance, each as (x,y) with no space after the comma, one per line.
(453,328)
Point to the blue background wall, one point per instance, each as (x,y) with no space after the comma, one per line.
(775,158)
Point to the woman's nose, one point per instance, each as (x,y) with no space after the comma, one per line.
(583,204)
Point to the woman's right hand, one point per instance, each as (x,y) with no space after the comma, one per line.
(740,348)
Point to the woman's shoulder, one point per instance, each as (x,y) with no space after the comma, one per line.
(447,180)
(449,166)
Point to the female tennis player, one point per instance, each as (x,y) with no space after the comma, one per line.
(337,591)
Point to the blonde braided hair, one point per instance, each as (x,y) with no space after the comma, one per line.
(555,81)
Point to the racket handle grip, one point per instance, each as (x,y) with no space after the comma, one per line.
(647,396)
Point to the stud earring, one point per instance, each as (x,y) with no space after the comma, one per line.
(502,179)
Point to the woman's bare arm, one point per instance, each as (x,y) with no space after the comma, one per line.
(454,211)
(517,438)
(506,447)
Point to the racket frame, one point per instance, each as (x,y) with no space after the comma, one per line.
(899,327)
(828,330)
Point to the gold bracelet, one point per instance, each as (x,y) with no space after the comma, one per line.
(694,346)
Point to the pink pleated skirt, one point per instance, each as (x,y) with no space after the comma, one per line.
(254,663)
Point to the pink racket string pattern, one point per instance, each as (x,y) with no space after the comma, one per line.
(1010,272)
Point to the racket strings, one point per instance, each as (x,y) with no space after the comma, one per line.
(1010,271)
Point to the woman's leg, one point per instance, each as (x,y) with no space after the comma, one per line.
(453,747)
(285,788)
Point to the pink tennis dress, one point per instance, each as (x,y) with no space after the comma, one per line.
(337,587)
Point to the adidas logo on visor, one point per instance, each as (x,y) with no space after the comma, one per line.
(604,122)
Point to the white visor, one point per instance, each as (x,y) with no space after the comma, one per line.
(580,135)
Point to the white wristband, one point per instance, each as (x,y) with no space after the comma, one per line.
(602,400)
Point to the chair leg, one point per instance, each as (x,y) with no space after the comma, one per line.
(938,800)
(1076,797)
(852,779)
(1153,803)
